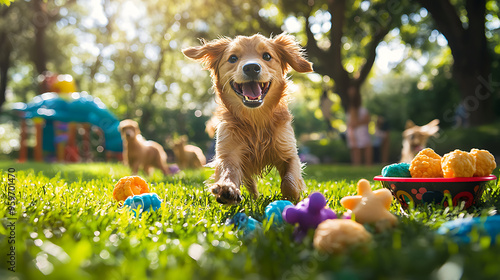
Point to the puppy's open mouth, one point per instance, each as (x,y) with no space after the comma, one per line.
(252,93)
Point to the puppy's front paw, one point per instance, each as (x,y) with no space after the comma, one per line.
(291,186)
(226,193)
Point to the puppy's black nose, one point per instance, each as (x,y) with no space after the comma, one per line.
(252,70)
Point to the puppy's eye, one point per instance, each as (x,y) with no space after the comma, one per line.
(232,59)
(266,56)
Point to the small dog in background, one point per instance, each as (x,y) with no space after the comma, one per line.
(254,132)
(140,153)
(415,138)
(188,156)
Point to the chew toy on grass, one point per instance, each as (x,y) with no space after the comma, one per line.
(308,214)
(146,202)
(461,228)
(275,210)
(249,225)
(336,236)
(371,206)
(246,224)
(129,186)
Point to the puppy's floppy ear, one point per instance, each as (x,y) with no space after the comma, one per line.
(434,122)
(409,124)
(123,124)
(291,53)
(208,53)
(431,128)
(136,127)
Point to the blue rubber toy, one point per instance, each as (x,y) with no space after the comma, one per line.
(275,210)
(397,170)
(244,223)
(461,228)
(147,201)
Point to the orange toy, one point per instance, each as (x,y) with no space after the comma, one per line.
(338,235)
(371,206)
(129,186)
(426,164)
(458,164)
(485,162)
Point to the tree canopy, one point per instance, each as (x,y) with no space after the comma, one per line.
(128,53)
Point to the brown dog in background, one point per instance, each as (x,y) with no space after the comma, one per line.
(188,156)
(254,132)
(140,153)
(415,138)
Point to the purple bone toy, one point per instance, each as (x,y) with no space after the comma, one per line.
(308,213)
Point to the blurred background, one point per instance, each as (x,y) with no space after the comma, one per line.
(403,60)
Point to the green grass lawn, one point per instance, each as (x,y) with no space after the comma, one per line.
(67,226)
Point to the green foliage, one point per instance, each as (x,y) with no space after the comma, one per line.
(67,225)
(9,135)
(329,150)
(129,55)
(6,2)
(483,137)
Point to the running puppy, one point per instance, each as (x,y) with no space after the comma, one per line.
(254,132)
(188,156)
(140,153)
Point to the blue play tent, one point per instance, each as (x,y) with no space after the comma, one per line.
(77,107)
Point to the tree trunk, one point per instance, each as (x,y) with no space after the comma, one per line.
(94,69)
(471,66)
(4,69)
(133,96)
(477,89)
(5,51)
(472,69)
(40,22)
(329,62)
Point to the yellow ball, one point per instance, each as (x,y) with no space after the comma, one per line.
(64,84)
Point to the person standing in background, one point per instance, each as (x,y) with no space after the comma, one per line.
(358,136)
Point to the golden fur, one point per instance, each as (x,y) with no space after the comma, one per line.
(188,156)
(254,132)
(415,138)
(140,153)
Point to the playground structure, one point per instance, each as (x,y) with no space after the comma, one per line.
(58,116)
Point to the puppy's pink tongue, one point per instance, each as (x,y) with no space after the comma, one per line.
(251,90)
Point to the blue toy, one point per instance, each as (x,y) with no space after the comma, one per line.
(275,210)
(397,170)
(147,201)
(78,107)
(461,228)
(244,223)
(308,213)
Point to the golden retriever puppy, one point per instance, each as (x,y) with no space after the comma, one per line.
(188,156)
(140,153)
(415,138)
(254,132)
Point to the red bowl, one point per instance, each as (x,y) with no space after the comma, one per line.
(436,190)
